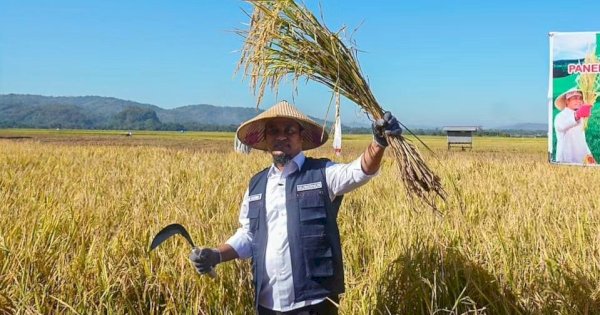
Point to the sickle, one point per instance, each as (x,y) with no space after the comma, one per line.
(174,229)
(169,231)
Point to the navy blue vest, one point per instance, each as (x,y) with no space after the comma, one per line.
(313,235)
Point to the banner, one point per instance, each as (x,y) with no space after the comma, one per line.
(573,97)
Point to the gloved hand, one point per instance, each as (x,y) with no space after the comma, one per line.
(583,111)
(387,126)
(205,259)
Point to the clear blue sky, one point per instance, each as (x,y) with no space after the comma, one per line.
(432,63)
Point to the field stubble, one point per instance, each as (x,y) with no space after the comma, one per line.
(517,236)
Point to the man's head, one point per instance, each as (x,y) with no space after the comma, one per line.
(574,100)
(282,129)
(284,140)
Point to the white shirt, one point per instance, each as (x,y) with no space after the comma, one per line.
(277,290)
(571,146)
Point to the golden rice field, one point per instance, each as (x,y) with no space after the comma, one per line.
(79,209)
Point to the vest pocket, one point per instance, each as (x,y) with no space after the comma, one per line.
(312,205)
(318,257)
(312,230)
(253,211)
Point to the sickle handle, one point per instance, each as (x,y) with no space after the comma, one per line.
(212,273)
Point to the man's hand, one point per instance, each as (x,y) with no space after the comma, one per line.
(387,126)
(205,259)
(583,111)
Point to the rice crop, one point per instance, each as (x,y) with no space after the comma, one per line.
(76,219)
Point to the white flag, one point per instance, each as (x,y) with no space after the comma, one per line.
(337,136)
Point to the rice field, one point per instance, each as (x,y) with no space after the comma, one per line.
(78,211)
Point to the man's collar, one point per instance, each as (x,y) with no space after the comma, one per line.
(293,165)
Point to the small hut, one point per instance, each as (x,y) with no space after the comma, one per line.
(460,136)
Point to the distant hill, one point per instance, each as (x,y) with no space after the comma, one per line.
(207,114)
(525,126)
(97,112)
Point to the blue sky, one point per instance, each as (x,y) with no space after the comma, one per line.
(432,63)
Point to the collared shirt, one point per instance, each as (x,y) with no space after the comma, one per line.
(277,290)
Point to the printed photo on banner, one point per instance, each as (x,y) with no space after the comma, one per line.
(574,114)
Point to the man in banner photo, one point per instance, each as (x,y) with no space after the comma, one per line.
(574,124)
(571,146)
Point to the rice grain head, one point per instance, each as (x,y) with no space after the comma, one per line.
(285,38)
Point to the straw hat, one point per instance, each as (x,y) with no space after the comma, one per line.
(252,132)
(561,100)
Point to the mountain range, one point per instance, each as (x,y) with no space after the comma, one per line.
(524,126)
(98,112)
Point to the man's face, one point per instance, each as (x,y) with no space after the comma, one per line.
(574,102)
(283,137)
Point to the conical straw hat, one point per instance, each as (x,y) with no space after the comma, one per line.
(561,100)
(252,132)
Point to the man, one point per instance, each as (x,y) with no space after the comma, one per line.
(571,145)
(288,214)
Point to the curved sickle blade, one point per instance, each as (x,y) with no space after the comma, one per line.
(169,231)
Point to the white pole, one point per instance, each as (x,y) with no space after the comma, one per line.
(550,95)
(337,136)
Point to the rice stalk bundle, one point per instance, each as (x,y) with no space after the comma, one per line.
(285,38)
(589,83)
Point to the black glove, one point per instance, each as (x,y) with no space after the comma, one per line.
(387,126)
(205,259)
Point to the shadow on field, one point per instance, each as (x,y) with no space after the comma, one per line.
(572,292)
(427,280)
(15,137)
(6,305)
